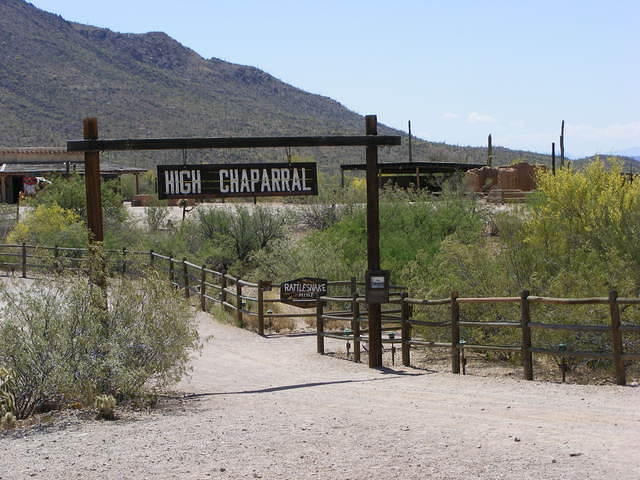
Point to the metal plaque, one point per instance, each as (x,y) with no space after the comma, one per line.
(377,286)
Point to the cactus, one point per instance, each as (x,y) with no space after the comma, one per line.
(106,404)
(8,420)
(7,398)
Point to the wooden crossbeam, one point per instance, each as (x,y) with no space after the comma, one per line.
(230,142)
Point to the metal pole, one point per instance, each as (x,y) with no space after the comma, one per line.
(373,243)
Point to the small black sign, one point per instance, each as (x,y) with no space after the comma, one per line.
(303,292)
(243,180)
(377,286)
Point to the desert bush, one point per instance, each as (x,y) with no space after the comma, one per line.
(50,225)
(319,216)
(60,343)
(156,217)
(577,238)
(244,230)
(69,193)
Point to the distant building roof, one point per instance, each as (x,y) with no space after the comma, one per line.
(47,160)
(45,153)
(411,167)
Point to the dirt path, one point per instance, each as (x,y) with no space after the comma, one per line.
(273,409)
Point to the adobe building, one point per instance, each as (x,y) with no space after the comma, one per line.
(506,183)
(21,169)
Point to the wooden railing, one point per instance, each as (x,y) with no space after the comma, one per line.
(25,260)
(244,298)
(405,325)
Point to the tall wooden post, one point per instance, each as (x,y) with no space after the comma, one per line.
(373,243)
(124,260)
(553,158)
(616,338)
(260,308)
(223,289)
(92,183)
(355,320)
(525,318)
(320,327)
(239,315)
(185,278)
(455,333)
(203,288)
(406,331)
(24,260)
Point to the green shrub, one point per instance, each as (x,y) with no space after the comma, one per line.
(50,225)
(59,343)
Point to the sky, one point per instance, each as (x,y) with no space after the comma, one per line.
(458,70)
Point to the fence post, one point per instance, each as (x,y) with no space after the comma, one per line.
(223,288)
(185,278)
(320,326)
(124,260)
(151,258)
(170,269)
(203,288)
(406,331)
(56,262)
(455,333)
(239,303)
(260,308)
(355,320)
(24,260)
(616,338)
(525,318)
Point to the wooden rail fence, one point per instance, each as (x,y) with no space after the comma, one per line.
(245,298)
(405,325)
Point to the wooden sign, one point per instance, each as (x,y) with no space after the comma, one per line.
(303,292)
(244,180)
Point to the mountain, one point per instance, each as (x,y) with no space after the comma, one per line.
(55,72)
(633,152)
(629,164)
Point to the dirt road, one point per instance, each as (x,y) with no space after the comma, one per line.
(273,409)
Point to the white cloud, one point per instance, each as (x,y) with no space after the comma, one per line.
(475,117)
(620,131)
(450,116)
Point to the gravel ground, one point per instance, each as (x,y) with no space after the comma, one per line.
(271,408)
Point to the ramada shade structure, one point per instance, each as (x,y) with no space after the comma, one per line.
(16,164)
(427,175)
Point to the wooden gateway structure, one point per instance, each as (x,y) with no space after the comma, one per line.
(21,167)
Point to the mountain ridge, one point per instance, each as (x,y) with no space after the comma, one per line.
(56,72)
